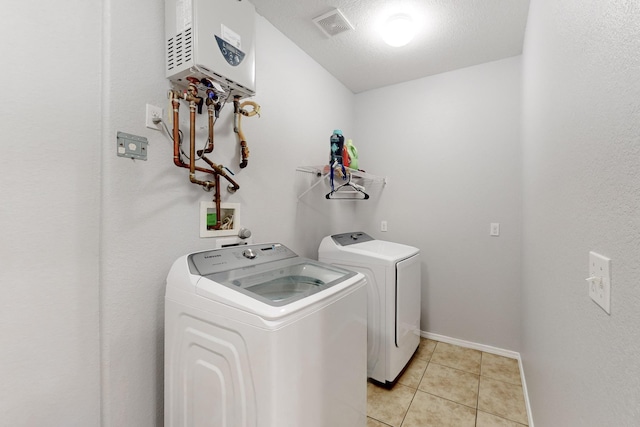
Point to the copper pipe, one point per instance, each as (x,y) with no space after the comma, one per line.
(219,171)
(192,146)
(209,146)
(210,111)
(216,170)
(192,137)
(213,108)
(216,177)
(175,102)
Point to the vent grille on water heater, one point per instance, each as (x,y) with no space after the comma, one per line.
(179,49)
(333,23)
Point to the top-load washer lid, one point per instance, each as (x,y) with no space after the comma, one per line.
(272,274)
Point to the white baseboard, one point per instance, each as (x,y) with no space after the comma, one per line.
(468,344)
(488,349)
(524,391)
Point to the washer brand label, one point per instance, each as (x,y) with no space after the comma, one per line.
(212,256)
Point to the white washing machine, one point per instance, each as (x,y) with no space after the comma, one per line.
(393,290)
(256,336)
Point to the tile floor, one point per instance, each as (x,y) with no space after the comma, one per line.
(447,385)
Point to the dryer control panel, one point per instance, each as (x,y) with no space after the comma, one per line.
(346,239)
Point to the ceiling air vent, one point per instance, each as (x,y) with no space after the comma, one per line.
(333,23)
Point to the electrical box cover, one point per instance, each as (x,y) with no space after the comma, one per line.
(212,39)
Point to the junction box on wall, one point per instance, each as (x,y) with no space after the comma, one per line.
(211,39)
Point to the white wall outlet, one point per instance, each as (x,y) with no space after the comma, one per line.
(600,280)
(495,229)
(383,225)
(153,112)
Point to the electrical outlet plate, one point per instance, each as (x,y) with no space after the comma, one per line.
(152,113)
(495,229)
(600,280)
(383,225)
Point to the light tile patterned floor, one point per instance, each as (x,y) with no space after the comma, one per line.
(450,386)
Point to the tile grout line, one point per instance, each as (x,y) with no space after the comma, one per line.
(416,389)
(448,400)
(478,394)
(381,422)
(500,381)
(456,369)
(479,376)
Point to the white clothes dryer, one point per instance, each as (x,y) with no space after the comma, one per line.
(256,336)
(393,294)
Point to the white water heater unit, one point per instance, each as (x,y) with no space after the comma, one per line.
(212,39)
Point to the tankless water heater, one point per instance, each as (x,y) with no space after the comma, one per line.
(213,39)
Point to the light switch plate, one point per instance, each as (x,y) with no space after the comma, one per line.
(600,280)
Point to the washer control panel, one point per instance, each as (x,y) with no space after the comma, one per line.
(346,239)
(237,257)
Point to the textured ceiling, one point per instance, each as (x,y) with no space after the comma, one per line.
(454,34)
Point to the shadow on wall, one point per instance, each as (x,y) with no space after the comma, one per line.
(313,216)
(317,216)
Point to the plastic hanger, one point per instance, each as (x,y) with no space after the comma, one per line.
(348,188)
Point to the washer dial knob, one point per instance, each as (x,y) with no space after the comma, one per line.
(248,253)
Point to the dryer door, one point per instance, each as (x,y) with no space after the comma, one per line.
(408,292)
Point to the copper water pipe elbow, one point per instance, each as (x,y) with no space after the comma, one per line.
(219,171)
(206,185)
(175,97)
(192,142)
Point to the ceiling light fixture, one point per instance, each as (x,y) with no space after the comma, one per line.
(398,30)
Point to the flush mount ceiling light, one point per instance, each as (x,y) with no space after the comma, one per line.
(398,30)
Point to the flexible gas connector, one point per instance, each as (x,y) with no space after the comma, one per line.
(238,112)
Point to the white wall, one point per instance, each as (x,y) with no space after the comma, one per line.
(49,215)
(449,145)
(150,210)
(581,193)
(88,237)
